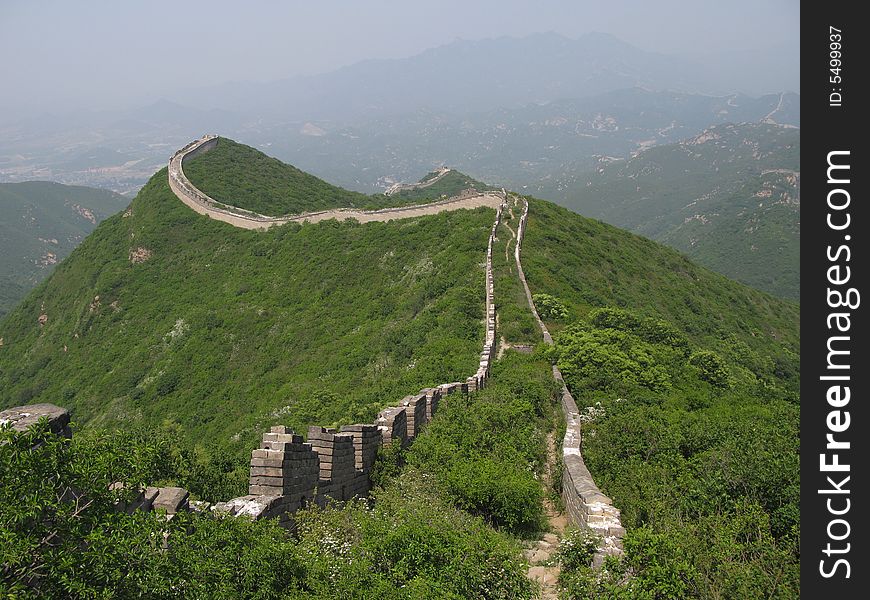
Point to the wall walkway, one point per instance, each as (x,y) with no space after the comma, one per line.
(585,504)
(202,203)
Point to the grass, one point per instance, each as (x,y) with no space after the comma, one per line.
(241,176)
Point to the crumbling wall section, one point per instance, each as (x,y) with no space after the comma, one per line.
(585,504)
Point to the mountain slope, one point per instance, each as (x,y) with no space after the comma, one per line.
(40,223)
(688,385)
(589,264)
(164,314)
(729,198)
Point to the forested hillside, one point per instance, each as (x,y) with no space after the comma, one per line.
(177,340)
(40,223)
(690,387)
(241,176)
(163,314)
(728,198)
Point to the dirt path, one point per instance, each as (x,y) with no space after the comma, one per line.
(513,237)
(544,550)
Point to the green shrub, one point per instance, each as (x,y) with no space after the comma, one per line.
(550,308)
(576,548)
(711,367)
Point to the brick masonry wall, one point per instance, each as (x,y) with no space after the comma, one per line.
(203,204)
(585,504)
(288,472)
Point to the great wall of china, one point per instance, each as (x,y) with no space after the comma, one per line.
(584,502)
(288,472)
(200,202)
(405,187)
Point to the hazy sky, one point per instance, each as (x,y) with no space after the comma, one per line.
(102,53)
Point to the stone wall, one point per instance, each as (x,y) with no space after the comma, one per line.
(170,500)
(203,204)
(403,187)
(584,502)
(287,472)
(20,418)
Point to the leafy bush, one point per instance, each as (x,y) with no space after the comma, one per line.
(597,358)
(711,367)
(576,548)
(550,308)
(487,451)
(62,536)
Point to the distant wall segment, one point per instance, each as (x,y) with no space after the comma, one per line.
(585,504)
(203,204)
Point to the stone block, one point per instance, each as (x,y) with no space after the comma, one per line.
(23,417)
(393,424)
(291,437)
(366,440)
(171,499)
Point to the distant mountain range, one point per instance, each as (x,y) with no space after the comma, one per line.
(465,76)
(729,198)
(40,224)
(543,149)
(527,112)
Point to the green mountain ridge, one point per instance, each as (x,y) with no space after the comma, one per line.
(287,321)
(241,176)
(169,320)
(729,198)
(41,223)
(244,177)
(254,324)
(451,184)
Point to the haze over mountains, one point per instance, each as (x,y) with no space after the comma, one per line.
(466,76)
(539,114)
(475,80)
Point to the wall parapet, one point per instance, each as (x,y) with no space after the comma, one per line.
(585,504)
(288,472)
(204,204)
(343,459)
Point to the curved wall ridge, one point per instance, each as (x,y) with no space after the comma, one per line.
(287,472)
(585,504)
(403,187)
(204,204)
